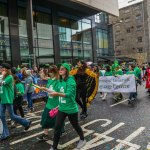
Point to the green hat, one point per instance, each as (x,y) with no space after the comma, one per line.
(67,66)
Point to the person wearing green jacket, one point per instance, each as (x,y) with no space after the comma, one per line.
(108,72)
(47,122)
(18,100)
(66,90)
(6,103)
(133,95)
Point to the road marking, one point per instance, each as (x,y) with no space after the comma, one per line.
(101,138)
(31,136)
(119,103)
(88,132)
(126,141)
(37,121)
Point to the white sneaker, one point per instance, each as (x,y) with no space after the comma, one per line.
(148,146)
(101,96)
(51,148)
(104,98)
(81,144)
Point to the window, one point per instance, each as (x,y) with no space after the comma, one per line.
(137,7)
(128,30)
(102,42)
(139,28)
(117,43)
(127,19)
(138,17)
(101,17)
(126,11)
(5,53)
(140,39)
(140,50)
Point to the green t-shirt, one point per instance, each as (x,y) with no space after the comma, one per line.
(137,72)
(20,89)
(108,73)
(52,101)
(7,94)
(118,72)
(130,72)
(68,103)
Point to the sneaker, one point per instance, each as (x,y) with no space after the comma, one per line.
(81,144)
(104,98)
(27,128)
(52,148)
(84,115)
(43,137)
(148,146)
(31,110)
(101,96)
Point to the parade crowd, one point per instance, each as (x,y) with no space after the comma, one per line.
(66,87)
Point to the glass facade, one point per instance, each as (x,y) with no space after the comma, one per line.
(72,34)
(5,53)
(43,38)
(102,42)
(75,39)
(23,40)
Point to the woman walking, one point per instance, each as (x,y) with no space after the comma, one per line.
(47,122)
(66,90)
(7,96)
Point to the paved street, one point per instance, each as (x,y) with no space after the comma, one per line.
(106,128)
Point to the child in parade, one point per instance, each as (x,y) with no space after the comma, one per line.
(18,100)
(47,122)
(66,90)
(7,97)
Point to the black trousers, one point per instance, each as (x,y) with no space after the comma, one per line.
(81,98)
(73,118)
(18,106)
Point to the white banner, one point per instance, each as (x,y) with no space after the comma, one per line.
(122,84)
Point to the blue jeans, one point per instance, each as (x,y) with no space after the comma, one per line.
(13,117)
(29,99)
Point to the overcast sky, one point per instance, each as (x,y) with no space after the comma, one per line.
(124,3)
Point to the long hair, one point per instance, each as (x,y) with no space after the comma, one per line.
(82,69)
(54,69)
(8,72)
(66,77)
(16,79)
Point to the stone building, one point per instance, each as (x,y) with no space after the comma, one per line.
(132,30)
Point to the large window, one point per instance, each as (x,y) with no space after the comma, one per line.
(102,42)
(75,39)
(43,38)
(5,53)
(24,48)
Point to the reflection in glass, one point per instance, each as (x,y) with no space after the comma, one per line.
(102,42)
(5,54)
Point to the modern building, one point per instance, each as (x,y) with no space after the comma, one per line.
(44,31)
(132,30)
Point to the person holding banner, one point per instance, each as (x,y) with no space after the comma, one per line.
(133,95)
(66,90)
(7,97)
(108,72)
(117,72)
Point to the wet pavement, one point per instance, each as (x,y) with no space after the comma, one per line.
(119,127)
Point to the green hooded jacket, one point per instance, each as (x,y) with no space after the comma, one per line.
(68,103)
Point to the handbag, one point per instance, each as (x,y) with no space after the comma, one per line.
(53,112)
